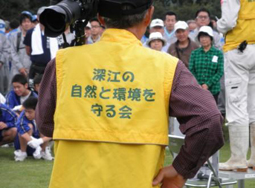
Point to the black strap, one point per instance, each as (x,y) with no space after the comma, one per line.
(18,40)
(177,51)
(65,44)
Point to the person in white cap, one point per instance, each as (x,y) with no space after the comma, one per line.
(206,62)
(237,23)
(183,47)
(157,25)
(156,41)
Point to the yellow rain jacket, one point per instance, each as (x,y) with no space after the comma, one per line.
(243,30)
(111,118)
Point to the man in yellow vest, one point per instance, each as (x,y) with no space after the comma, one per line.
(237,23)
(111,101)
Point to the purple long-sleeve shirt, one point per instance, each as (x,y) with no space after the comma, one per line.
(194,107)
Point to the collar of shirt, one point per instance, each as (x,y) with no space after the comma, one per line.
(167,33)
(201,49)
(182,49)
(120,35)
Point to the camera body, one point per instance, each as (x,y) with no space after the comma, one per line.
(76,13)
(56,18)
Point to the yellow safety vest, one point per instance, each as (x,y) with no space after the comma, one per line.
(113,91)
(244,29)
(111,114)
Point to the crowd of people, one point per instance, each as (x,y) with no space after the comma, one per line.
(113,89)
(26,51)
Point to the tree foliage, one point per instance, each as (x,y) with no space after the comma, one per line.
(10,9)
(185,9)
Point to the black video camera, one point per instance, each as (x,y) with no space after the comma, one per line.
(74,13)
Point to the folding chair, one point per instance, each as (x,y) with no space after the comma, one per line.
(175,144)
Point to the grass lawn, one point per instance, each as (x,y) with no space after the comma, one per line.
(30,173)
(33,173)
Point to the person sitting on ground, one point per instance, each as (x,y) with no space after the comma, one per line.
(156,41)
(2,99)
(7,125)
(20,91)
(31,142)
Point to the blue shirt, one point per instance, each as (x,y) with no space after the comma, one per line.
(12,99)
(42,58)
(23,127)
(7,116)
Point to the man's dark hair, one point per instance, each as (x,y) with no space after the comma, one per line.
(38,79)
(170,13)
(23,17)
(125,22)
(203,10)
(14,24)
(30,103)
(20,79)
(94,20)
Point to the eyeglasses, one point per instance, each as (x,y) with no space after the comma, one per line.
(203,17)
(95,26)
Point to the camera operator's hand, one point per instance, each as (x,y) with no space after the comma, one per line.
(168,177)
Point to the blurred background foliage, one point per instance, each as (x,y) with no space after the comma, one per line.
(185,9)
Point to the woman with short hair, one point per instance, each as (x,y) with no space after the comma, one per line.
(206,62)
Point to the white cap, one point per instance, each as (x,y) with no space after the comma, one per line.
(2,26)
(157,22)
(88,25)
(206,29)
(156,36)
(180,25)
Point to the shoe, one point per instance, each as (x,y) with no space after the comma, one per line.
(251,162)
(16,152)
(5,146)
(46,155)
(239,143)
(19,155)
(37,153)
